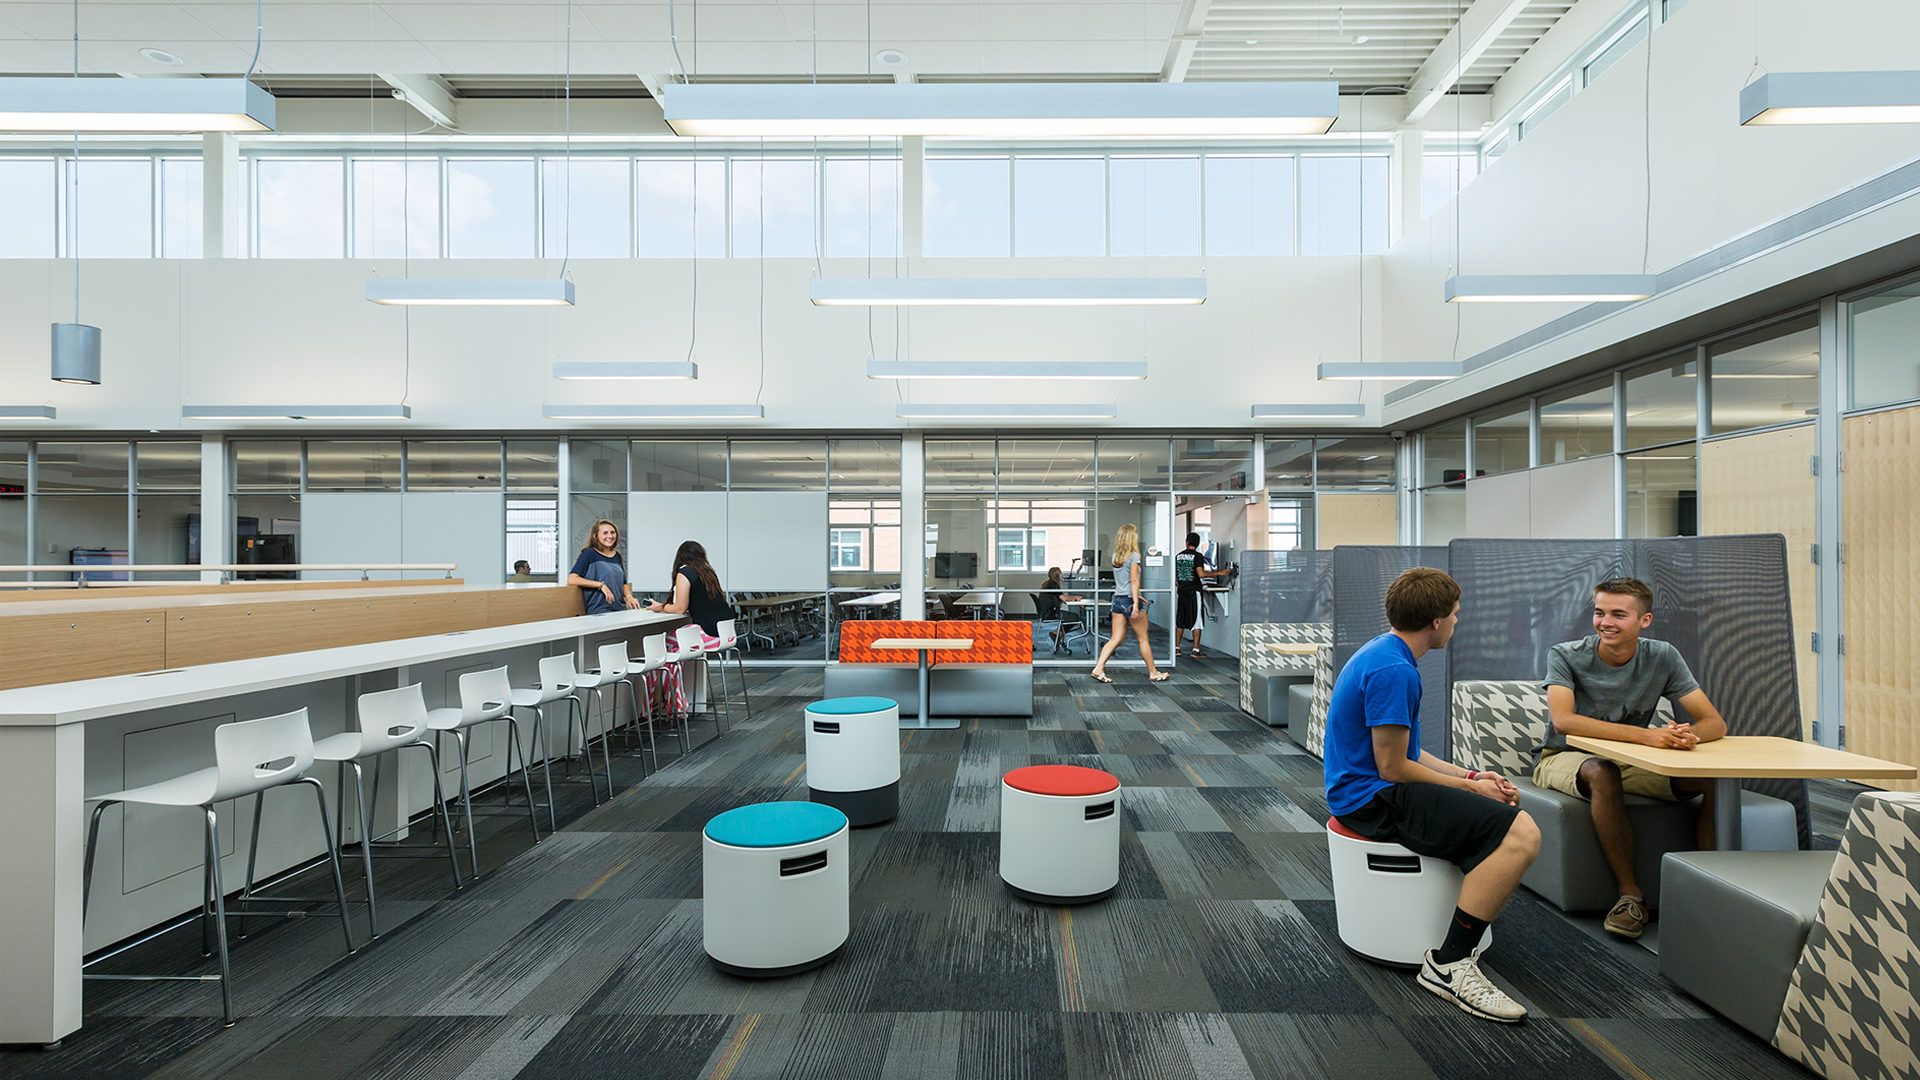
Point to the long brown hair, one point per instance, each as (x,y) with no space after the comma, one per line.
(693,555)
(594,534)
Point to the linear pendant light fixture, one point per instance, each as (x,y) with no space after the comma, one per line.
(28,412)
(1006,292)
(457,292)
(1393,370)
(134,105)
(654,412)
(1007,369)
(1548,288)
(1055,411)
(1024,110)
(1831,97)
(1337,410)
(668,369)
(296,412)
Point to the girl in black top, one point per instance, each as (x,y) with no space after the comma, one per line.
(696,591)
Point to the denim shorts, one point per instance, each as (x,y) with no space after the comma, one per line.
(1123,606)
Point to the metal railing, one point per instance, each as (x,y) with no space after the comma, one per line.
(79,575)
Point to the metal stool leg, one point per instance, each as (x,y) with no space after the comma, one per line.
(333,849)
(466,804)
(440,803)
(513,739)
(86,872)
(366,846)
(220,913)
(746,696)
(540,733)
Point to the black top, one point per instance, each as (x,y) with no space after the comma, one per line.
(1186,569)
(703,608)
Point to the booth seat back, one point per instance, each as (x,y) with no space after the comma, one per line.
(1316,733)
(1850,1010)
(994,642)
(1497,724)
(1256,658)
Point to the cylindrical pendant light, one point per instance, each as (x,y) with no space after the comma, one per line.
(76,353)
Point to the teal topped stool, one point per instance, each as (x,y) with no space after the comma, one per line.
(853,757)
(775,888)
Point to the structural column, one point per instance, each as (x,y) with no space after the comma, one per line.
(42,774)
(216,517)
(223,197)
(913,526)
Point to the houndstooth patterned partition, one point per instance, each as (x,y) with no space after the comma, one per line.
(1850,1009)
(1721,600)
(1256,658)
(1360,615)
(1316,739)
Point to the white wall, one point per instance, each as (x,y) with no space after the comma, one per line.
(1568,501)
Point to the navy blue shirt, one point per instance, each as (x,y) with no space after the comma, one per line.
(1379,685)
(609,570)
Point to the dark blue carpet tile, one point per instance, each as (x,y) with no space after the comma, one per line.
(1263,956)
(1539,1046)
(1013,1046)
(626,1047)
(1280,1046)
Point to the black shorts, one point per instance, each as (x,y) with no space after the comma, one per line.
(1188,614)
(1441,822)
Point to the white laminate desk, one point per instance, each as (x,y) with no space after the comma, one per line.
(146,727)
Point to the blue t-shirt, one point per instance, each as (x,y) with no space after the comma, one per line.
(610,571)
(1379,685)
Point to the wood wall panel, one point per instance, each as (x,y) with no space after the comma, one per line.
(1356,518)
(87,645)
(210,635)
(1763,484)
(508,606)
(1881,517)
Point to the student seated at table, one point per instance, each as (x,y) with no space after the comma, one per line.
(600,573)
(1381,785)
(696,593)
(1055,590)
(1607,686)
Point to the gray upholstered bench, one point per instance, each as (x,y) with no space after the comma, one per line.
(1299,706)
(1270,693)
(1734,925)
(897,682)
(982,690)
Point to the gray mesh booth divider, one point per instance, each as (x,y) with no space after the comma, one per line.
(1721,600)
(1360,615)
(1286,587)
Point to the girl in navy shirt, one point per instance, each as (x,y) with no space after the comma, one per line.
(601,574)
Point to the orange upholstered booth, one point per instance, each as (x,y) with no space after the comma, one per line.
(993,642)
(993,678)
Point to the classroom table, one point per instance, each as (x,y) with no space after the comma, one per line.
(864,604)
(1727,761)
(750,612)
(1087,606)
(923,645)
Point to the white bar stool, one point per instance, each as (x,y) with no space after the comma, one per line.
(730,646)
(484,699)
(557,682)
(389,720)
(655,668)
(609,674)
(249,758)
(692,642)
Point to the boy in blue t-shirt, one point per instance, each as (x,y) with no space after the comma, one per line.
(1381,786)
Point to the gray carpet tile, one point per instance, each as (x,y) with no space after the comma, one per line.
(1218,955)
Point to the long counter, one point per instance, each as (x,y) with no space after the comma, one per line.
(60,742)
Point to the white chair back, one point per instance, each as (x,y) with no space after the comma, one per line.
(727,634)
(484,695)
(254,755)
(653,654)
(613,661)
(390,719)
(692,641)
(556,677)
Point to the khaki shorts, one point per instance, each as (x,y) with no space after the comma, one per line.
(1560,770)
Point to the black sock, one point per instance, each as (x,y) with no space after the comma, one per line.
(1463,933)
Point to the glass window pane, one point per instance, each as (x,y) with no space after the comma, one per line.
(182,219)
(1765,377)
(1547,106)
(863,464)
(960,465)
(1663,492)
(1290,464)
(799,465)
(598,465)
(533,534)
(533,464)
(1250,205)
(1881,332)
(1577,423)
(266,466)
(862,197)
(1333,193)
(1442,176)
(1133,464)
(166,531)
(586,510)
(601,208)
(1620,47)
(1358,464)
(26,190)
(266,529)
(453,466)
(82,530)
(1500,442)
(1212,464)
(353,465)
(1059,206)
(1662,402)
(966,206)
(396,203)
(301,205)
(13,503)
(490,209)
(680,466)
(115,207)
(1443,514)
(676,220)
(167,466)
(90,467)
(773,202)
(1444,455)
(955,544)
(1046,464)
(1155,206)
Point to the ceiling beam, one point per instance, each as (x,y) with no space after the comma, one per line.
(1186,38)
(1479,27)
(429,95)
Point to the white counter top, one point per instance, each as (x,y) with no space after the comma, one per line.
(56,704)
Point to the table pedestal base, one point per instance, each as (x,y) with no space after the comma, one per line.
(1726,813)
(925,721)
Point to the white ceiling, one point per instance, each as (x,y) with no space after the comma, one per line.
(316,44)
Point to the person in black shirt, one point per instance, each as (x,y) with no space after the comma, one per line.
(696,591)
(1191,568)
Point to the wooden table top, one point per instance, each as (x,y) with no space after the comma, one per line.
(922,643)
(1748,756)
(1291,648)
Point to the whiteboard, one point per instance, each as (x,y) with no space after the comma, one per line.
(464,527)
(776,540)
(351,527)
(657,522)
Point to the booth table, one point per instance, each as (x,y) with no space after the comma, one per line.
(1729,760)
(923,646)
(157,724)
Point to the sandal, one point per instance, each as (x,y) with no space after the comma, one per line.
(1160,676)
(1100,677)
(1197,655)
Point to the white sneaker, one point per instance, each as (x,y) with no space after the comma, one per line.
(1463,983)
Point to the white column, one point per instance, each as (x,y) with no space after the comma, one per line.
(913,167)
(42,774)
(1404,183)
(216,509)
(913,526)
(1829,530)
(223,197)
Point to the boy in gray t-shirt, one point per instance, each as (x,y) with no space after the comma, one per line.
(1609,686)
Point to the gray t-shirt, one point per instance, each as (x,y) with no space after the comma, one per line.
(1628,694)
(1123,576)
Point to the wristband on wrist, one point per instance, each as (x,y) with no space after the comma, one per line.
(1472,775)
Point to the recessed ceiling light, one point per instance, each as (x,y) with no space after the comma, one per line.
(891,57)
(1252,41)
(1361,40)
(160,56)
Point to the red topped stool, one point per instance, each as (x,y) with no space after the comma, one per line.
(1391,905)
(1060,833)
